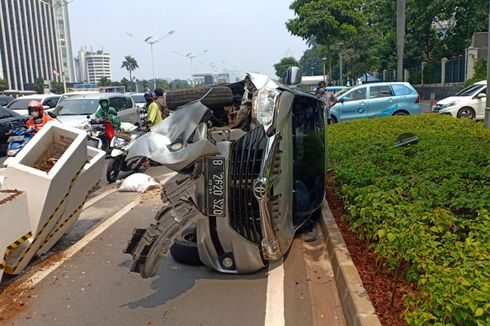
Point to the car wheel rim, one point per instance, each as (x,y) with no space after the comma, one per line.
(466,114)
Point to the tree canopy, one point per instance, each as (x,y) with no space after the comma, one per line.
(283,65)
(367,29)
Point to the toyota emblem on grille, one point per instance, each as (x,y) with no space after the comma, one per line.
(259,189)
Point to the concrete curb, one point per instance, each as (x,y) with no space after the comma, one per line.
(358,308)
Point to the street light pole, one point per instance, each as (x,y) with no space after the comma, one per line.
(340,64)
(191,57)
(151,41)
(324,72)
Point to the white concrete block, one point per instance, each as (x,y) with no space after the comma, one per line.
(89,178)
(14,223)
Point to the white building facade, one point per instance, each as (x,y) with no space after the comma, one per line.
(92,66)
(28,43)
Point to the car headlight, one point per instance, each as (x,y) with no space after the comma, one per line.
(264,104)
(119,142)
(448,105)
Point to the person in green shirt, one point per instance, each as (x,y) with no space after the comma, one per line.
(107,112)
(154,114)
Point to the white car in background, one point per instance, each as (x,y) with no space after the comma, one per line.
(139,99)
(19,105)
(468,103)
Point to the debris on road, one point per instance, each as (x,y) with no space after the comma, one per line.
(138,182)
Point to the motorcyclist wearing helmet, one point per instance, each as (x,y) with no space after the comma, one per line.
(38,117)
(154,114)
(107,112)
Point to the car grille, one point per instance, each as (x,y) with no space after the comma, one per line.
(246,162)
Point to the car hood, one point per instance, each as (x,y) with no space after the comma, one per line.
(450,99)
(72,120)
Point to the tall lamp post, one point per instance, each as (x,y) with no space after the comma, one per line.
(191,57)
(341,44)
(150,40)
(324,60)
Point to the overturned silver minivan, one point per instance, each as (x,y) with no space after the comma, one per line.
(247,182)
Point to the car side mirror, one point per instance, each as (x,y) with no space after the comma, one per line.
(407,139)
(293,76)
(46,107)
(341,100)
(52,114)
(482,95)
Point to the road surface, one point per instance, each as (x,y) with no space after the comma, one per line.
(86,280)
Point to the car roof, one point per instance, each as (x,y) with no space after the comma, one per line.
(482,82)
(41,96)
(96,96)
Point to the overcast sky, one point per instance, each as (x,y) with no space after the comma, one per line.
(248,35)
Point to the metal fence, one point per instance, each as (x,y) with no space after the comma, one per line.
(455,70)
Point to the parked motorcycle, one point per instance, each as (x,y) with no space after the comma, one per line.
(19,137)
(120,145)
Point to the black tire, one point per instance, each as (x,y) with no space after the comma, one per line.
(185,250)
(113,169)
(219,96)
(467,112)
(333,120)
(401,113)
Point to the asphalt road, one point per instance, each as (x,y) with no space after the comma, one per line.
(85,280)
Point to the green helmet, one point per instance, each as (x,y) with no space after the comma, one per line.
(104,99)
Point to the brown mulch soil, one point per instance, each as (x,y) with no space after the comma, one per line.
(378,283)
(49,158)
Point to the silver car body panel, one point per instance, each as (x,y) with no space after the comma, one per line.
(182,128)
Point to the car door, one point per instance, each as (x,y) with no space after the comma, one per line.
(353,105)
(382,101)
(480,103)
(119,103)
(7,122)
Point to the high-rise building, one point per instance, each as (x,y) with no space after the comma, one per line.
(92,66)
(29,43)
(64,35)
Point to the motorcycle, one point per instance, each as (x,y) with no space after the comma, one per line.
(120,145)
(99,133)
(19,137)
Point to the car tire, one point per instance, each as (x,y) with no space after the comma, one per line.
(333,120)
(466,112)
(185,250)
(401,113)
(219,96)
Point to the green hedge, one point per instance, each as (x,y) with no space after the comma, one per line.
(426,204)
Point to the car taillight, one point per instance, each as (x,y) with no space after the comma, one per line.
(418,99)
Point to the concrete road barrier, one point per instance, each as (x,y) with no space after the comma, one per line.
(13,207)
(56,171)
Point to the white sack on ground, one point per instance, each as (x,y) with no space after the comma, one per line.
(138,182)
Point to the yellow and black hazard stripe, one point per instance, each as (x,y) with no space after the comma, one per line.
(51,235)
(11,247)
(43,228)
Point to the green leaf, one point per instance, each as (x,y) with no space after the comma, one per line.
(479,312)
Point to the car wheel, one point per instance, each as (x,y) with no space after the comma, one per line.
(467,113)
(333,120)
(185,250)
(218,96)
(401,113)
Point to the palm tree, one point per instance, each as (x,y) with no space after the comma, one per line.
(130,64)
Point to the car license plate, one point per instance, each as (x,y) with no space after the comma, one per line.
(15,138)
(216,187)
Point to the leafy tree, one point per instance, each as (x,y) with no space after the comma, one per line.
(130,64)
(283,65)
(3,85)
(126,83)
(57,87)
(116,83)
(480,73)
(104,81)
(179,83)
(39,85)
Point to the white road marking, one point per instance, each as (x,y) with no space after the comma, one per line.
(274,308)
(94,200)
(70,252)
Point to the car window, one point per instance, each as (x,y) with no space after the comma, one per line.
(401,90)
(119,103)
(77,106)
(129,102)
(21,103)
(138,98)
(51,102)
(469,91)
(483,91)
(380,91)
(5,100)
(358,94)
(4,114)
